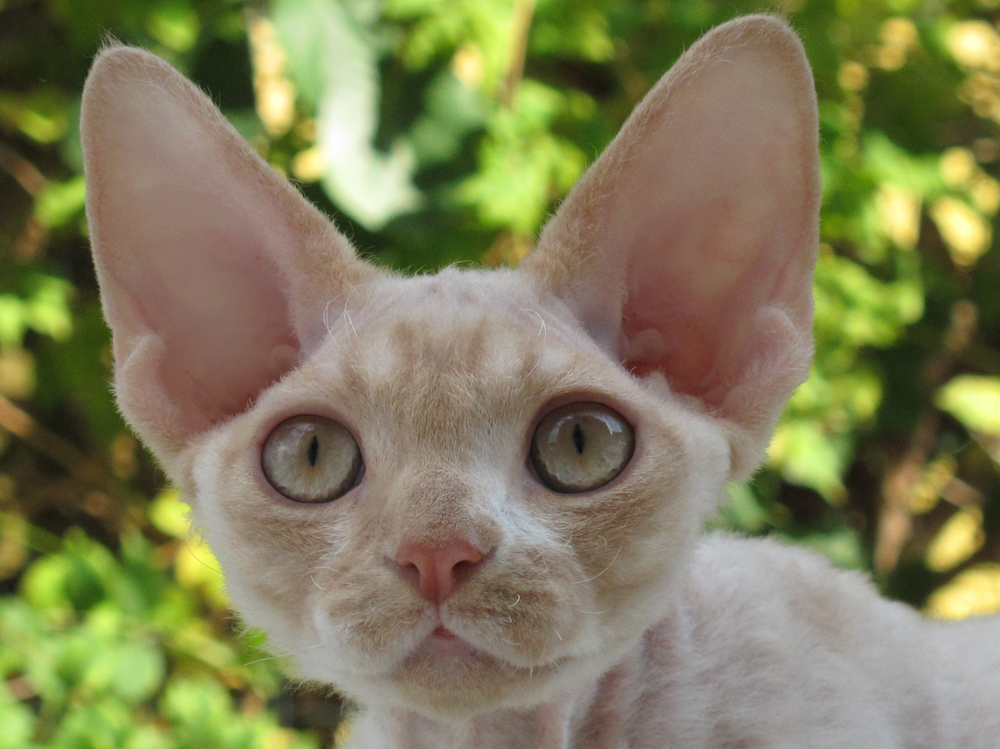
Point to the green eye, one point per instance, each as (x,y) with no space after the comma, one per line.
(311,459)
(581,446)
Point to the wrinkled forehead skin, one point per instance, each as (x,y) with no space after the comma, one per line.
(441,379)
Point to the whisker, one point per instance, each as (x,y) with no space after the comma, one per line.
(542,331)
(350,322)
(591,579)
(217,570)
(261,660)
(515,602)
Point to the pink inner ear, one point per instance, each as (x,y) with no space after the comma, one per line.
(691,305)
(714,217)
(203,284)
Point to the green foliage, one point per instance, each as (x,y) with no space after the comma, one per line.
(114,654)
(445,132)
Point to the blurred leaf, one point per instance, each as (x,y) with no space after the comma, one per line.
(808,456)
(41,115)
(973,400)
(334,61)
(170,515)
(959,538)
(139,669)
(175,24)
(524,167)
(452,111)
(17,723)
(60,202)
(973,592)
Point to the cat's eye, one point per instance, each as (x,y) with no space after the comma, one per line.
(581,446)
(311,459)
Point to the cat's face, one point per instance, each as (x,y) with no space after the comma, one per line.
(474,489)
(442,381)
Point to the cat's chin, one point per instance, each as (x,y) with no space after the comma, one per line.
(449,679)
(446,677)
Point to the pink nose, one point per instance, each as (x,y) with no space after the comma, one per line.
(436,571)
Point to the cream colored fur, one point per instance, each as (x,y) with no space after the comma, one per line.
(673,285)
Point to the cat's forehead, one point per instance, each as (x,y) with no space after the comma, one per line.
(456,338)
(455,321)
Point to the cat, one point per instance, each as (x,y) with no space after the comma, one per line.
(473,501)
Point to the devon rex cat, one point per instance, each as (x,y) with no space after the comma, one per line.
(472,501)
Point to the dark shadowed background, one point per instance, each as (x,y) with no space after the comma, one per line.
(444,131)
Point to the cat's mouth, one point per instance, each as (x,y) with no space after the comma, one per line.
(444,644)
(441,632)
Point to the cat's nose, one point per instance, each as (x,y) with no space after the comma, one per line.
(436,571)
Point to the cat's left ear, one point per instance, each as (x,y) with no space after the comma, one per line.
(687,250)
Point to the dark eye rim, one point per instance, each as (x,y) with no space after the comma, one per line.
(267,428)
(627,413)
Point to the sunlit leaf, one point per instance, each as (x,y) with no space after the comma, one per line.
(959,538)
(974,400)
(139,671)
(973,592)
(965,231)
(806,455)
(41,115)
(60,202)
(170,515)
(17,723)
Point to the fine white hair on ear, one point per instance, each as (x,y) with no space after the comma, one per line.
(687,249)
(214,272)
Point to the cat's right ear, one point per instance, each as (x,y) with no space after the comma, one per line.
(215,273)
(687,249)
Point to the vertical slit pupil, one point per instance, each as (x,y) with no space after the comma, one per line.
(579,439)
(312,452)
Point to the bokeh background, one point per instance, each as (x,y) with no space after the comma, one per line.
(444,131)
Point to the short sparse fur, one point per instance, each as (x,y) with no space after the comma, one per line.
(673,286)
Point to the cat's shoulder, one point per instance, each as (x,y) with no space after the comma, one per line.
(773,582)
(726,556)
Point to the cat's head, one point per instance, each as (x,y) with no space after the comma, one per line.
(467,490)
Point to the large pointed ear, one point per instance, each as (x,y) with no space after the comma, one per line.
(215,273)
(688,248)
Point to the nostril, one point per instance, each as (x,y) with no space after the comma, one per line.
(410,573)
(463,570)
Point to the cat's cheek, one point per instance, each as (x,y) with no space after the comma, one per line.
(636,538)
(370,618)
(265,549)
